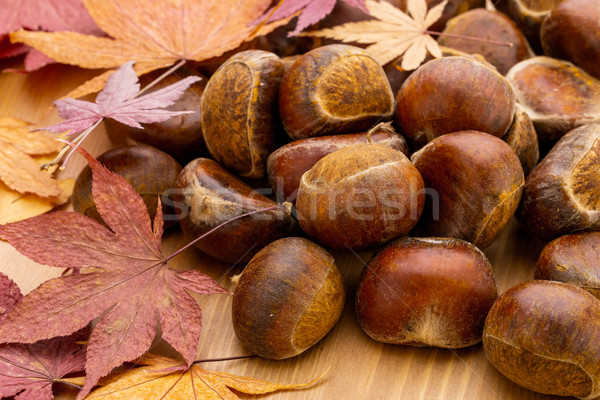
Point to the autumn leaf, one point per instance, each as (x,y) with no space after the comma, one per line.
(394,33)
(24,189)
(164,378)
(118,101)
(153,33)
(47,15)
(125,280)
(312,11)
(30,370)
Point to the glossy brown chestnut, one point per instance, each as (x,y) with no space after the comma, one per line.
(528,15)
(544,336)
(239,111)
(151,172)
(572,32)
(426,292)
(475,182)
(488,25)
(208,195)
(334,89)
(521,136)
(453,94)
(287,298)
(573,259)
(360,197)
(286,165)
(561,194)
(557,96)
(179,136)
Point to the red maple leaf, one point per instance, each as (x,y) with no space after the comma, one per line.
(312,11)
(28,371)
(130,286)
(47,15)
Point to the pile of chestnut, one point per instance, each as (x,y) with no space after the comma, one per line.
(322,128)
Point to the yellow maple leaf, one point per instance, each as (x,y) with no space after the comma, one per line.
(162,378)
(25,190)
(393,32)
(153,33)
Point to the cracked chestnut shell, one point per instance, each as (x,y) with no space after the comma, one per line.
(334,89)
(426,292)
(287,298)
(544,336)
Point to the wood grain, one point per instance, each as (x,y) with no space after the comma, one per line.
(360,368)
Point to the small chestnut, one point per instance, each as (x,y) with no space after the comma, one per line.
(287,298)
(179,136)
(572,32)
(287,164)
(239,111)
(334,89)
(360,197)
(521,136)
(475,182)
(573,259)
(148,170)
(208,195)
(453,94)
(426,292)
(544,336)
(485,24)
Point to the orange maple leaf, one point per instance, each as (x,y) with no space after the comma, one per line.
(153,33)
(165,378)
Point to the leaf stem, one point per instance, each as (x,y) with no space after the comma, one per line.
(68,383)
(160,78)
(477,39)
(80,138)
(225,359)
(286,207)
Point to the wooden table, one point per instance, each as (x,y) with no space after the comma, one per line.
(360,367)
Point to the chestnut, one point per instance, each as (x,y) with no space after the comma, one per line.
(453,94)
(544,336)
(286,165)
(151,172)
(475,181)
(572,32)
(485,24)
(528,15)
(287,298)
(208,195)
(360,197)
(179,136)
(239,111)
(557,95)
(561,194)
(573,259)
(334,89)
(426,292)
(521,136)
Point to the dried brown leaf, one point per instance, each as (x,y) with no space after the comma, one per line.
(393,33)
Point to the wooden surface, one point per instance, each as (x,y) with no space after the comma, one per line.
(360,368)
